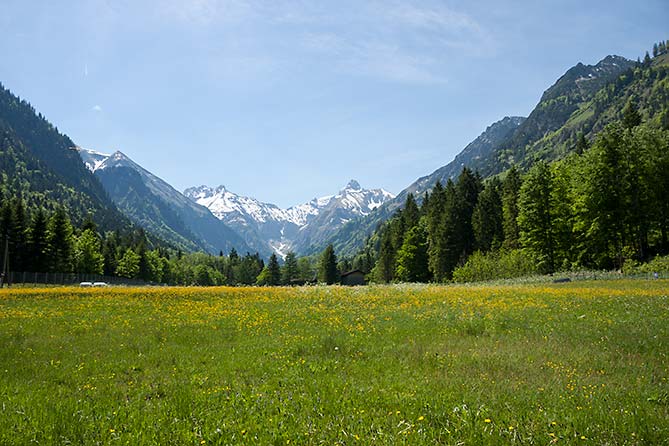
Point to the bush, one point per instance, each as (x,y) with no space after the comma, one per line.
(658,265)
(495,265)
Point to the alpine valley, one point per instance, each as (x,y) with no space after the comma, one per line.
(213,219)
(40,165)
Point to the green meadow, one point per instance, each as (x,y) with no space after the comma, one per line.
(575,363)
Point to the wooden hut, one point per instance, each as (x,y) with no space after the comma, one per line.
(355,277)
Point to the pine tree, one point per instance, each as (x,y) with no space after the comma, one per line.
(631,116)
(60,242)
(290,268)
(410,213)
(384,270)
(37,243)
(534,219)
(487,219)
(581,144)
(468,187)
(510,194)
(110,253)
(327,268)
(444,243)
(274,271)
(412,261)
(18,240)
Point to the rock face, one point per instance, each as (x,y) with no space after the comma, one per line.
(266,226)
(156,206)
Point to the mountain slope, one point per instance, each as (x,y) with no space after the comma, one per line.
(158,207)
(37,163)
(576,102)
(578,86)
(353,235)
(265,225)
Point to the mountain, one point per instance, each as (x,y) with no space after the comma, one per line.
(156,206)
(572,91)
(265,225)
(352,235)
(582,100)
(38,164)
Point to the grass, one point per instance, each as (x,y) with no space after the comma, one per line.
(575,363)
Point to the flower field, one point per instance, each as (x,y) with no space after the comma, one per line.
(575,363)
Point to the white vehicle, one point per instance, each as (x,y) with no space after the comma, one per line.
(86,284)
(100,284)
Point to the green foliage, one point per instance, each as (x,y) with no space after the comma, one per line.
(487,218)
(412,265)
(87,256)
(273,271)
(291,270)
(128,265)
(495,265)
(510,195)
(327,267)
(60,242)
(535,217)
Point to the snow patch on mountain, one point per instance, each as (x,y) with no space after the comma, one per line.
(91,158)
(280,228)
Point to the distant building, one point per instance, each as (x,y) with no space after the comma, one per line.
(355,277)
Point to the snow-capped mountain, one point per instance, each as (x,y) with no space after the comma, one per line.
(265,224)
(92,159)
(156,206)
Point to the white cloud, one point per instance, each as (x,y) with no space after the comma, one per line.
(408,42)
(96,108)
(399,41)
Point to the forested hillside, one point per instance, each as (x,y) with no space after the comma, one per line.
(569,114)
(38,164)
(602,204)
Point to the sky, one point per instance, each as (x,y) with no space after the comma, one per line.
(289,100)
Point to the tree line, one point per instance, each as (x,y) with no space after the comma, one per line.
(49,242)
(605,204)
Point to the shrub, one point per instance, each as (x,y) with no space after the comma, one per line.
(495,265)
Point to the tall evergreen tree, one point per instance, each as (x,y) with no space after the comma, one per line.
(60,242)
(468,187)
(581,144)
(487,219)
(410,213)
(384,271)
(37,243)
(510,194)
(274,271)
(18,238)
(291,270)
(535,219)
(412,260)
(631,115)
(327,268)
(444,243)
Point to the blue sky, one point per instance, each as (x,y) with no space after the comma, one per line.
(288,100)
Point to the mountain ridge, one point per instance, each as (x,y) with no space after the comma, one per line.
(578,86)
(293,228)
(158,207)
